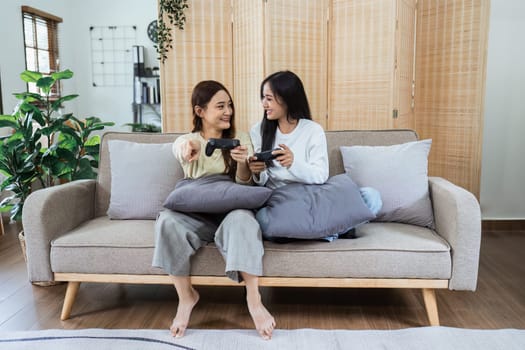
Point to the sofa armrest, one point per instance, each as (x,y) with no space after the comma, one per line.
(49,213)
(457,218)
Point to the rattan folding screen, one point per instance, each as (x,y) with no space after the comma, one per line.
(450,86)
(204,50)
(375,64)
(248,61)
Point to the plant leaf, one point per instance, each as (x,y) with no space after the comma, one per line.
(65,74)
(93,141)
(9,121)
(30,76)
(45,84)
(56,105)
(28,96)
(84,170)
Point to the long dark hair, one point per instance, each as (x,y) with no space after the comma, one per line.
(288,89)
(202,94)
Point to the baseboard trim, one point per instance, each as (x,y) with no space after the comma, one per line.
(503,225)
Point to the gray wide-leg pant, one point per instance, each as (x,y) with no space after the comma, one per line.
(238,237)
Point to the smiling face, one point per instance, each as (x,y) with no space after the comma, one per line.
(216,115)
(274,109)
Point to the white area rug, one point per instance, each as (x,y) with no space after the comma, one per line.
(425,338)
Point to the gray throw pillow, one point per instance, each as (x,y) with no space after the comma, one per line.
(215,194)
(399,173)
(142,176)
(313,211)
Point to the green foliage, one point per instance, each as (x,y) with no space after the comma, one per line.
(44,145)
(173,10)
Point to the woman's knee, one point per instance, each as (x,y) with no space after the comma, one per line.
(240,216)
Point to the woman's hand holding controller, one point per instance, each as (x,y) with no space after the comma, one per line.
(284,156)
(239,154)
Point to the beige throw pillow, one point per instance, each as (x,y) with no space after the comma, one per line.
(142,177)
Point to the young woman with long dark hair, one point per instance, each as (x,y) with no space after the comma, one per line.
(287,124)
(237,234)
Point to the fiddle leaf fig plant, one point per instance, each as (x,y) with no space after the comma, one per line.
(45,147)
(171,14)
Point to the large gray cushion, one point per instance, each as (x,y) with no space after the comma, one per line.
(215,194)
(314,211)
(142,176)
(399,173)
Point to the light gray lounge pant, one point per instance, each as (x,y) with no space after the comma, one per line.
(238,237)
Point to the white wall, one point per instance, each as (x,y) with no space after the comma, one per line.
(108,103)
(503,163)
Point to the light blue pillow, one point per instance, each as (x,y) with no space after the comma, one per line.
(313,211)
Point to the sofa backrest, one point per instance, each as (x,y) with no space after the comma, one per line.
(335,139)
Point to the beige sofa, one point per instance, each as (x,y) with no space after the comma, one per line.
(70,238)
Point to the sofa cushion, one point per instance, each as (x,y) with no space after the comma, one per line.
(381,250)
(399,173)
(314,211)
(142,176)
(215,194)
(103,245)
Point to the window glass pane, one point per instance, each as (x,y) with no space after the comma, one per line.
(41,47)
(55,90)
(31,59)
(28,32)
(41,34)
(43,60)
(32,88)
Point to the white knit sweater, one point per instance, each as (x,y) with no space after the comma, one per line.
(308,144)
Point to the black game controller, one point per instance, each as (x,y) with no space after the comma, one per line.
(266,155)
(213,144)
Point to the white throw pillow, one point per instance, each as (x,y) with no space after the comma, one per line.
(142,177)
(400,174)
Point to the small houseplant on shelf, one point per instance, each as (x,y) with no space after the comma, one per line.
(144,127)
(46,147)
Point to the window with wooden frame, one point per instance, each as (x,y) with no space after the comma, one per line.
(41,45)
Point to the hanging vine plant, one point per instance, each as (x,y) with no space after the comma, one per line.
(171,14)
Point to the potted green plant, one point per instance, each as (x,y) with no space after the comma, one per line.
(171,14)
(46,147)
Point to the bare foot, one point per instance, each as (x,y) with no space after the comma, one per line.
(182,318)
(264,321)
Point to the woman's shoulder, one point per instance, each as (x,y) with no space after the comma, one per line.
(256,128)
(311,125)
(255,131)
(188,136)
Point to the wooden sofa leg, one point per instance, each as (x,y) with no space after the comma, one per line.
(69,299)
(429,297)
